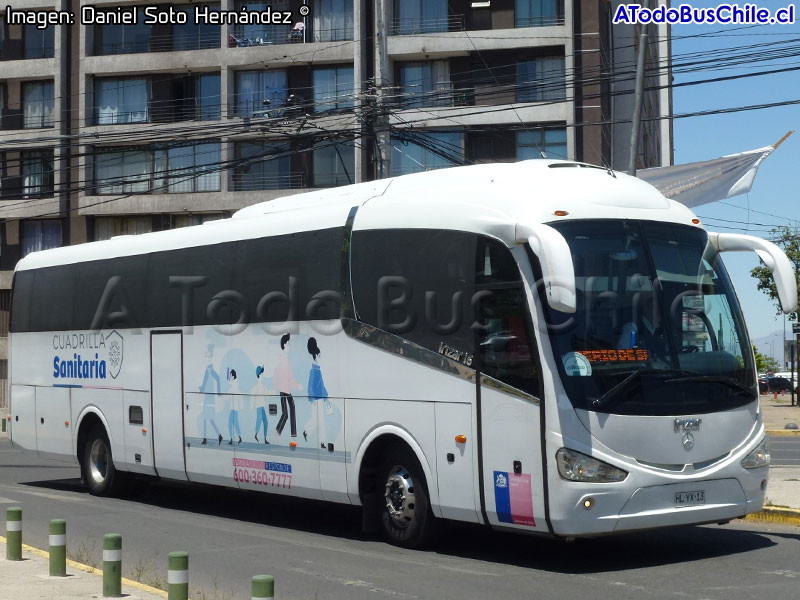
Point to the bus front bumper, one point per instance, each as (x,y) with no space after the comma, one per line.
(602,511)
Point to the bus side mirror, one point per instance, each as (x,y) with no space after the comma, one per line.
(558,272)
(774,258)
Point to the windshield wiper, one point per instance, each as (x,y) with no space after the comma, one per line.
(730,382)
(614,393)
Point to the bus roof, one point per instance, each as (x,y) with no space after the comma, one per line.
(487,198)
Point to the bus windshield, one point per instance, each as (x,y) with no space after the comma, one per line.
(658,330)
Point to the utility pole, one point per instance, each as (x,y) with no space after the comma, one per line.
(638,99)
(383,140)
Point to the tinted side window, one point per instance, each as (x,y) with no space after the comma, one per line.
(447,287)
(148,290)
(21,301)
(118,286)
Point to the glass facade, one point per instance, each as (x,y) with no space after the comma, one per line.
(254,87)
(37,104)
(429,151)
(334,164)
(542,143)
(541,79)
(333,88)
(333,20)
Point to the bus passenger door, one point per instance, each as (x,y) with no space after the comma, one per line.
(513,481)
(166,374)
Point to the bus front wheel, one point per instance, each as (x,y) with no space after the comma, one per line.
(405,513)
(99,473)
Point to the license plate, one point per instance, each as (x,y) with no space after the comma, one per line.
(684,499)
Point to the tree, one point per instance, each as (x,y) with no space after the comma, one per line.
(765,364)
(788,239)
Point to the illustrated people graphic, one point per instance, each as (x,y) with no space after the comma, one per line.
(316,387)
(261,413)
(209,400)
(285,384)
(233,416)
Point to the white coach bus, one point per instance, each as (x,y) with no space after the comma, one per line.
(544,347)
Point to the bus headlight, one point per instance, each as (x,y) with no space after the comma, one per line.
(759,457)
(575,466)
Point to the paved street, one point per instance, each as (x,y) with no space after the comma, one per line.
(316,551)
(785,450)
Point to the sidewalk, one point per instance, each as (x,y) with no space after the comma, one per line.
(28,579)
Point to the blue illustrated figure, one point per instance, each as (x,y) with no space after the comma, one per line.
(261,413)
(233,416)
(209,400)
(316,387)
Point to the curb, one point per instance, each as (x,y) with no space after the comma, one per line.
(783,432)
(776,514)
(99,572)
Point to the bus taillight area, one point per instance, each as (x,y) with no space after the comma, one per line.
(650,498)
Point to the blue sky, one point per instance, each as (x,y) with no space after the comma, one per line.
(700,138)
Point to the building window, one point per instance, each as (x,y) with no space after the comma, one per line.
(37,173)
(263,166)
(419,16)
(123,39)
(541,79)
(254,87)
(163,169)
(333,88)
(120,101)
(209,97)
(40,235)
(257,34)
(426,84)
(334,164)
(178,221)
(185,98)
(426,152)
(37,99)
(538,13)
(333,20)
(196,34)
(193,168)
(39,43)
(107,227)
(542,143)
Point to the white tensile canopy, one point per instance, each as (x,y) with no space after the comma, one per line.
(694,184)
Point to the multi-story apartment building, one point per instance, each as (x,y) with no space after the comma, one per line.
(121,129)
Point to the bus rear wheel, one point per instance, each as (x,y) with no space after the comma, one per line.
(405,513)
(97,466)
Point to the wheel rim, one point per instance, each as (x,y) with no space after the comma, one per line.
(400,498)
(98,461)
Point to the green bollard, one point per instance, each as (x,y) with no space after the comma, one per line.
(263,587)
(14,533)
(178,576)
(112,565)
(4,425)
(58,548)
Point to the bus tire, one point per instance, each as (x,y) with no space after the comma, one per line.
(97,466)
(404,510)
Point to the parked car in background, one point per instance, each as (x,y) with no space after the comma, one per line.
(763,384)
(780,384)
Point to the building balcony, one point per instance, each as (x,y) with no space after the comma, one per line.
(460,43)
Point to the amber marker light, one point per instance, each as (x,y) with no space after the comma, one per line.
(66,423)
(293,444)
(461,439)
(561,213)
(144,431)
(696,221)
